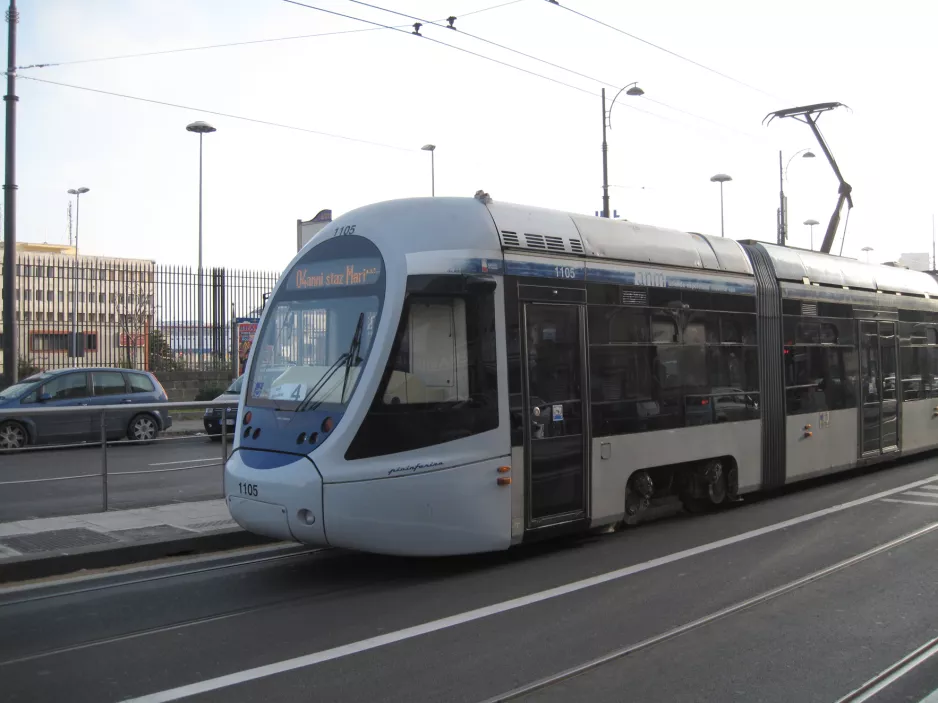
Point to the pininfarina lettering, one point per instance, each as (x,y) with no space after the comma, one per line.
(414,468)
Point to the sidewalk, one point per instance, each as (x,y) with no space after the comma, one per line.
(50,546)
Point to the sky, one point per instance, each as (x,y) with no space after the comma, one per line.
(520,137)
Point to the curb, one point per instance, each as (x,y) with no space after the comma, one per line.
(47,564)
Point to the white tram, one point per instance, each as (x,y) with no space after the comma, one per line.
(451,375)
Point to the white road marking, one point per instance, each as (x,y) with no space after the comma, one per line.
(920,494)
(931,487)
(910,502)
(930,698)
(183,461)
(175,694)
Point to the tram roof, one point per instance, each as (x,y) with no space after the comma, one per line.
(541,229)
(552,231)
(826,269)
(547,231)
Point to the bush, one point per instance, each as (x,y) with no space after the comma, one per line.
(209,392)
(27,368)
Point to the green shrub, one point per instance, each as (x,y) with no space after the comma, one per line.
(209,392)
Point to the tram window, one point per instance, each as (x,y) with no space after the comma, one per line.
(732,302)
(916,381)
(618,325)
(663,329)
(450,388)
(819,379)
(932,360)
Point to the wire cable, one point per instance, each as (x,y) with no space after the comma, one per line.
(50,64)
(442,43)
(438,23)
(665,50)
(216,112)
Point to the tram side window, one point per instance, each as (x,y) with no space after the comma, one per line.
(694,368)
(819,378)
(441,380)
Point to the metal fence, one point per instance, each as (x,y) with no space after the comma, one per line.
(131,314)
(39,480)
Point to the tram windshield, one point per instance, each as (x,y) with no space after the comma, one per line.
(317,335)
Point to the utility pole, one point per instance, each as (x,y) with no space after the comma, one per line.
(605,165)
(782,224)
(10,357)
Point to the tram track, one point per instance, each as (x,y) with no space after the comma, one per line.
(595,663)
(119,583)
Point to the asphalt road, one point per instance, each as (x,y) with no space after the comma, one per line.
(138,476)
(337,626)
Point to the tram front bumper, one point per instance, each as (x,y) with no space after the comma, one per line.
(275,495)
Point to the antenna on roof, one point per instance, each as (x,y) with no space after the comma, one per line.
(809,114)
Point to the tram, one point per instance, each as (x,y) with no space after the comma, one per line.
(454,375)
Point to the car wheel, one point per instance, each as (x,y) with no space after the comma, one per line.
(13,436)
(143,428)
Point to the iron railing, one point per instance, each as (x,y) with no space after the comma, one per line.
(100,414)
(133,314)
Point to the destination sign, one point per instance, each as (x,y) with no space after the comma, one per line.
(340,273)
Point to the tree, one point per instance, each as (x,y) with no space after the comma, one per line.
(135,317)
(161,353)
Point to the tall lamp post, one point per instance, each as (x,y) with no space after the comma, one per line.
(782,200)
(867,250)
(77,192)
(200,128)
(721,178)
(431,148)
(811,223)
(633,90)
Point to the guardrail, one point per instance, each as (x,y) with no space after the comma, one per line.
(101,412)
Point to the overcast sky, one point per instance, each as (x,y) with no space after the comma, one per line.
(521,138)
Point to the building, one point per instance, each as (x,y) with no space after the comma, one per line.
(112,300)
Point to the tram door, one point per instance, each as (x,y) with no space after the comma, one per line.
(879,391)
(554,405)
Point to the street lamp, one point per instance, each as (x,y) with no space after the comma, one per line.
(77,192)
(782,200)
(721,178)
(633,90)
(811,223)
(431,148)
(200,128)
(867,250)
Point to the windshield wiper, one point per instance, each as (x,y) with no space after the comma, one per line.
(346,357)
(349,357)
(311,393)
(353,353)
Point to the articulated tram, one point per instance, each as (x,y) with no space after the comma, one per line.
(453,375)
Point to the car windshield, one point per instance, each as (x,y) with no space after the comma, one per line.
(18,389)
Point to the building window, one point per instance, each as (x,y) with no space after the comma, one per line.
(102,298)
(50,296)
(48,341)
(50,271)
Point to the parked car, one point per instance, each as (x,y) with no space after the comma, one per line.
(212,417)
(81,388)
